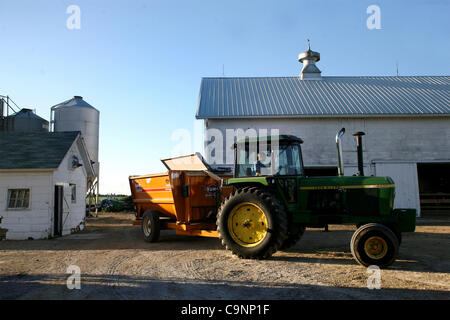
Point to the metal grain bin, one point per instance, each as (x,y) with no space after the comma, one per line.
(78,115)
(25,121)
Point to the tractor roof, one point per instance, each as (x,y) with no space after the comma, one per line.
(282,138)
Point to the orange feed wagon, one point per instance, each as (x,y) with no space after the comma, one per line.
(186,198)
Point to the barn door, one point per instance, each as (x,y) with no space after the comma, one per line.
(58,211)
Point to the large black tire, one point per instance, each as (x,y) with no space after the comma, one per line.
(276,223)
(374,244)
(150,226)
(397,234)
(292,238)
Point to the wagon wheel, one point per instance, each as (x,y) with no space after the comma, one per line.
(374,244)
(150,225)
(252,223)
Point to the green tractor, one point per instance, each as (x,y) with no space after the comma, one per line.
(273,202)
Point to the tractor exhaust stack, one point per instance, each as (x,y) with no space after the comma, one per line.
(359,149)
(340,155)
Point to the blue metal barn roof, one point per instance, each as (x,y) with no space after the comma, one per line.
(286,97)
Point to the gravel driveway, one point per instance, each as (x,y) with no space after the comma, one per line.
(116,263)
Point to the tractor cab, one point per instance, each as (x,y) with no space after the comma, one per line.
(268,156)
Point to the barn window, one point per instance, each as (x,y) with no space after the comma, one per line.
(18,198)
(73,190)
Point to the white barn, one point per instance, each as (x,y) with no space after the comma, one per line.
(406,121)
(43,181)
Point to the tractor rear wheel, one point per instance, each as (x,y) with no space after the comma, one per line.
(252,223)
(150,225)
(374,244)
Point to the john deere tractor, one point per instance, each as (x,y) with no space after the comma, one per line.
(273,202)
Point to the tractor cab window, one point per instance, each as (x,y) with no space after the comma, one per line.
(289,163)
(284,160)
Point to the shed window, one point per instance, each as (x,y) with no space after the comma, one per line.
(73,190)
(18,198)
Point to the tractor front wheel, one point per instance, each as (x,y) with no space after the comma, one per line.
(374,244)
(252,223)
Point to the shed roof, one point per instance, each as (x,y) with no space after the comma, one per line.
(287,97)
(34,150)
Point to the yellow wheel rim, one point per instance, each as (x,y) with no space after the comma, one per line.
(247,224)
(375,247)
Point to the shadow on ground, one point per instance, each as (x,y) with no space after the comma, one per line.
(127,287)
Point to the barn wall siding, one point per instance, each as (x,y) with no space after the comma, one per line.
(407,187)
(35,221)
(406,139)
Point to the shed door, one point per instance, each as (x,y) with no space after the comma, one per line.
(406,183)
(58,211)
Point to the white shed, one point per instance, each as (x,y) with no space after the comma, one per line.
(43,181)
(406,121)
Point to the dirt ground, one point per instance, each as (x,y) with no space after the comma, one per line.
(116,263)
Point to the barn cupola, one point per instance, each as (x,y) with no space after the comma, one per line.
(309,59)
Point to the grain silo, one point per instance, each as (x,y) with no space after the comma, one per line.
(77,115)
(25,121)
(19,120)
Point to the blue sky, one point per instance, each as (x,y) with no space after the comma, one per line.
(141,62)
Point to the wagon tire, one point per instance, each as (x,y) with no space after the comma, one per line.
(151,226)
(374,244)
(252,223)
